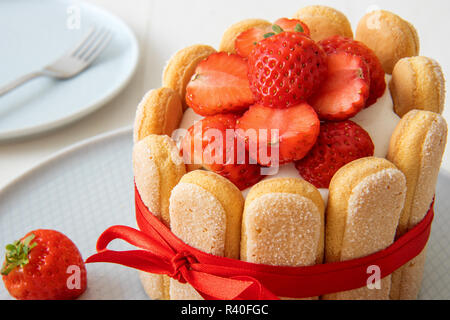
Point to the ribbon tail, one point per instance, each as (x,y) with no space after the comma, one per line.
(212,287)
(134,237)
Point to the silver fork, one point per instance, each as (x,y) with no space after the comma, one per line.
(72,62)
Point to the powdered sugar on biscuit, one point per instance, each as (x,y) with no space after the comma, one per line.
(198,218)
(282,229)
(373,212)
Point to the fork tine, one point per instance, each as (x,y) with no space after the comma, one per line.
(80,44)
(99,48)
(89,43)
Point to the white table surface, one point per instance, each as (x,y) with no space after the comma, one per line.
(165,26)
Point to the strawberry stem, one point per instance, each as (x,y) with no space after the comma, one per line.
(17,254)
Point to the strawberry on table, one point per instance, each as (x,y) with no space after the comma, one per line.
(377,76)
(345,91)
(286,69)
(298,128)
(208,143)
(339,143)
(38,267)
(220,85)
(248,39)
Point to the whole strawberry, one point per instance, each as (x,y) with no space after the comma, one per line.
(285,69)
(44,265)
(339,143)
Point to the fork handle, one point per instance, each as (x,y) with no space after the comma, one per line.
(14,84)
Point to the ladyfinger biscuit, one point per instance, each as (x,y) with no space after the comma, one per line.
(417,83)
(417,147)
(205,212)
(160,112)
(324,22)
(389,36)
(230,35)
(157,169)
(366,198)
(283,224)
(181,67)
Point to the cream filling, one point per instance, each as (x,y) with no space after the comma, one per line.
(379,120)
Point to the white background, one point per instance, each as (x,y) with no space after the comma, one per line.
(165,26)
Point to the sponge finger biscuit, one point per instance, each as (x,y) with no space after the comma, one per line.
(417,83)
(160,112)
(417,147)
(283,224)
(389,36)
(366,198)
(230,35)
(324,22)
(157,169)
(181,67)
(205,212)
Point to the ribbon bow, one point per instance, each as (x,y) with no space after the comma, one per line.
(228,279)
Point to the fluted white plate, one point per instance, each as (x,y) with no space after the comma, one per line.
(87,188)
(34,34)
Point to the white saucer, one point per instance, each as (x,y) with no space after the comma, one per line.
(34,33)
(87,188)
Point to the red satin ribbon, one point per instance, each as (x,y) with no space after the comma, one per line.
(228,279)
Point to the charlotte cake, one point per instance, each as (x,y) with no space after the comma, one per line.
(369,173)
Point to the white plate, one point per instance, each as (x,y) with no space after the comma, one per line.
(81,192)
(34,33)
(87,188)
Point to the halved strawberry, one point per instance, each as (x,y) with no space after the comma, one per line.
(248,39)
(293,25)
(339,143)
(213,144)
(297,126)
(345,91)
(377,76)
(220,85)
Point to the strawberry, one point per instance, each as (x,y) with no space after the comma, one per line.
(377,76)
(286,69)
(338,144)
(212,142)
(292,25)
(344,93)
(39,267)
(298,128)
(219,85)
(248,39)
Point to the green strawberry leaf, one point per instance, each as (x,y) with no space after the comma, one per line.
(17,254)
(299,28)
(277,29)
(268,35)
